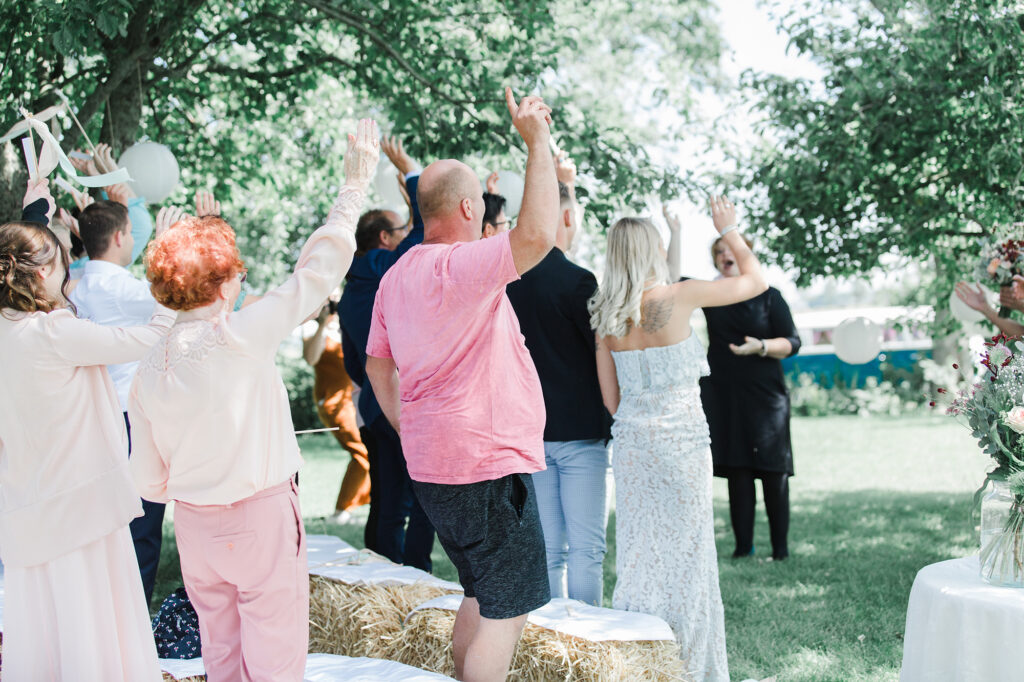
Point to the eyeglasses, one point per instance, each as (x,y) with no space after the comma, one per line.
(242,276)
(509,221)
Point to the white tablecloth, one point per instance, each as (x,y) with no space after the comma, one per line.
(960,628)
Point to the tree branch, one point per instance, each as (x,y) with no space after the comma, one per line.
(308,61)
(355,21)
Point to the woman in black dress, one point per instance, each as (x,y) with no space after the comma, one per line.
(747,404)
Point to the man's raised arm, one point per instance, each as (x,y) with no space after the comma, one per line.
(534,234)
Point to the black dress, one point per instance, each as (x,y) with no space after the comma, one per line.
(745,398)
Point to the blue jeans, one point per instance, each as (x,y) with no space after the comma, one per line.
(572,496)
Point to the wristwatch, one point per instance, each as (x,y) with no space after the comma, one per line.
(764,349)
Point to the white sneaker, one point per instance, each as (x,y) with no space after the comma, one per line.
(340,518)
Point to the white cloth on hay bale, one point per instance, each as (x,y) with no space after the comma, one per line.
(578,619)
(565,639)
(323,549)
(325,668)
(359,601)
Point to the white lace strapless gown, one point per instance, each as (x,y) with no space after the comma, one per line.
(666,560)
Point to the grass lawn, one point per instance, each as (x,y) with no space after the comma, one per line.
(874,500)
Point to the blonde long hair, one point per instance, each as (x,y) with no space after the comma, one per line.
(633,258)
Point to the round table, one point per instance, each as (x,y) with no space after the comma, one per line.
(961,628)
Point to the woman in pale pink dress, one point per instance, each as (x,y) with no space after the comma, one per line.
(73,602)
(212,430)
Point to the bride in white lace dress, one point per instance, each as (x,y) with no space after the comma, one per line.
(649,364)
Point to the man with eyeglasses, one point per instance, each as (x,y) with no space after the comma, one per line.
(495,221)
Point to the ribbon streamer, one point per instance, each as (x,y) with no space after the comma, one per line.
(103,180)
(21,127)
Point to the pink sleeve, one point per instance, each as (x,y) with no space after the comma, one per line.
(486,263)
(378,345)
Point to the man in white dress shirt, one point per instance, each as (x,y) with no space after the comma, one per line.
(110,295)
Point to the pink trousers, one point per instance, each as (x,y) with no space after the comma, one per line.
(244,567)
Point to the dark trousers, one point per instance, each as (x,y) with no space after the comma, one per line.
(742,500)
(396,503)
(147,534)
(370,532)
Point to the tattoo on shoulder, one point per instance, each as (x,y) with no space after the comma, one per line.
(655,314)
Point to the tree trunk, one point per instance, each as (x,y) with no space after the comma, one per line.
(13,177)
(121,115)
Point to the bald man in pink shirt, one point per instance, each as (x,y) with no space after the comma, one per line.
(453,376)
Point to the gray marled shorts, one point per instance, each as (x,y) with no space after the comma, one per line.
(491,532)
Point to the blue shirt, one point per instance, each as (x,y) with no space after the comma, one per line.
(355,309)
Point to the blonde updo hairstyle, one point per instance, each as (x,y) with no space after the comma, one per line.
(632,259)
(26,248)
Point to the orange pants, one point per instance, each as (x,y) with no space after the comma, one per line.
(355,486)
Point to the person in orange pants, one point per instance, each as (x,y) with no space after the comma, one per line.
(333,392)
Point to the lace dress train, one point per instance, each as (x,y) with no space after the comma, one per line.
(666,560)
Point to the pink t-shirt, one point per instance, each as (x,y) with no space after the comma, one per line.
(472,407)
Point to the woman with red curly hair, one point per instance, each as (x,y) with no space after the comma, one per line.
(73,606)
(212,430)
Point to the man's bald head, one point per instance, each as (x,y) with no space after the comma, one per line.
(442,187)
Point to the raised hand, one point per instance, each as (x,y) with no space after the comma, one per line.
(565,169)
(206,204)
(392,148)
(531,117)
(166,217)
(671,218)
(119,193)
(64,217)
(362,155)
(82,199)
(973,298)
(36,190)
(492,183)
(104,158)
(723,213)
(87,166)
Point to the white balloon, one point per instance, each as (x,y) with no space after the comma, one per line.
(153,168)
(511,186)
(857,340)
(386,182)
(962,311)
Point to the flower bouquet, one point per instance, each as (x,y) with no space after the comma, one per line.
(993,409)
(1000,260)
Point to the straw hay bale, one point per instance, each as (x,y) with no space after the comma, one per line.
(361,620)
(543,655)
(196,678)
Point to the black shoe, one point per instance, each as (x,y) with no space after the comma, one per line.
(780,556)
(738,554)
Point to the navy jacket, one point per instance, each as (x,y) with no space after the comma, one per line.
(355,309)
